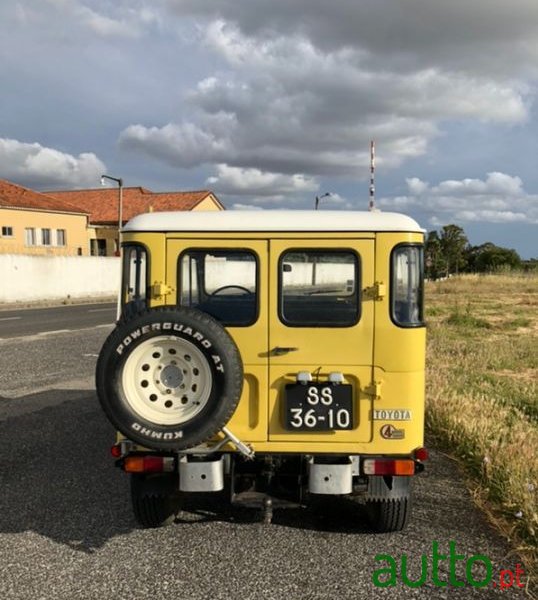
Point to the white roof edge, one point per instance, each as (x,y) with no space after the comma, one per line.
(272,220)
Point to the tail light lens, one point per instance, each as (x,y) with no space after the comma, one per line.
(388,466)
(422,454)
(148,464)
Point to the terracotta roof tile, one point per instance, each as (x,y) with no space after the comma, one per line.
(102,204)
(16,196)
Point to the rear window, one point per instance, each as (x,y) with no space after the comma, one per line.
(407,289)
(134,278)
(222,283)
(319,288)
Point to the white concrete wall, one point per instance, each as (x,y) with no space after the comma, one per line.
(220,272)
(35,278)
(31,278)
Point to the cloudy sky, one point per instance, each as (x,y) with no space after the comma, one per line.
(272,102)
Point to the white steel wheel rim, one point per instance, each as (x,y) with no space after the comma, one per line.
(166,380)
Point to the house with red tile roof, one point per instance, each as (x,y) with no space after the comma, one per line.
(103,208)
(38,224)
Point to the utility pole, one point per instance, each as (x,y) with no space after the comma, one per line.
(318,198)
(119,181)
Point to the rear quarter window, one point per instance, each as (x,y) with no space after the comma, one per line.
(135,278)
(407,285)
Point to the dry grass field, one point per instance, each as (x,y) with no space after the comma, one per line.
(482,391)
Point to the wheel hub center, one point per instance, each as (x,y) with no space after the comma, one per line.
(172,376)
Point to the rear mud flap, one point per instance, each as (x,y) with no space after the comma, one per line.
(388,487)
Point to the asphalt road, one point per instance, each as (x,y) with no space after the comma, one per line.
(66,529)
(31,321)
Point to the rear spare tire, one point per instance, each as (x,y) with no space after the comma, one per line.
(169,378)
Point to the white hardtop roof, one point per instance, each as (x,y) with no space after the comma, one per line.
(272,220)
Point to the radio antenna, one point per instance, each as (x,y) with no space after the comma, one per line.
(371,204)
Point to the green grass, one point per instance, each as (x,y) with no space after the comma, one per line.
(482,397)
(467,321)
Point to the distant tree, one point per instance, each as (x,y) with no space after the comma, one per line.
(454,243)
(494,258)
(473,252)
(435,264)
(530,265)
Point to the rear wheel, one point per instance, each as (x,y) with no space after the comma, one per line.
(155,499)
(389,515)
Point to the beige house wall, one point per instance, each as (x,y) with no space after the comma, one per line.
(75,227)
(78,235)
(207,204)
(109,234)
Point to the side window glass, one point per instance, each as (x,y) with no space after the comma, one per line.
(222,283)
(134,278)
(319,288)
(407,286)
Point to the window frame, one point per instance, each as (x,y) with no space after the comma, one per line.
(63,244)
(30,232)
(358,287)
(250,251)
(395,321)
(49,242)
(124,288)
(7,228)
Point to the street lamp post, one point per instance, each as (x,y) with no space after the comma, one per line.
(318,198)
(119,181)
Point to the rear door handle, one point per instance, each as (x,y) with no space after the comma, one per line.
(280,350)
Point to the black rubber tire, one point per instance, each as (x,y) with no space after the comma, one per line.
(387,516)
(155,499)
(219,352)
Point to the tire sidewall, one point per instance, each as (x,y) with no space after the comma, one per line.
(218,349)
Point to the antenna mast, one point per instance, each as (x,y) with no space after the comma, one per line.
(371,204)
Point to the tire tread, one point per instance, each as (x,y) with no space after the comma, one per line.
(390,515)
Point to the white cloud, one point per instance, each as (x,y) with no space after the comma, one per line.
(483,36)
(416,186)
(36,165)
(183,145)
(293,102)
(239,206)
(124,20)
(492,216)
(239,181)
(500,198)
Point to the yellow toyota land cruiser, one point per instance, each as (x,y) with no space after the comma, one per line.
(277,355)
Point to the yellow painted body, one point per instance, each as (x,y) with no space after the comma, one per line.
(383,362)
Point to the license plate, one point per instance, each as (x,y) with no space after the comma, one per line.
(318,407)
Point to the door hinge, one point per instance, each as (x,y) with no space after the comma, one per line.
(374,390)
(375,292)
(159,289)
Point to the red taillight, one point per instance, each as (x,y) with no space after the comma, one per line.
(422,454)
(148,464)
(388,466)
(115,450)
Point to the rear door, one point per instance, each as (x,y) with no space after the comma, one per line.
(228,279)
(321,326)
